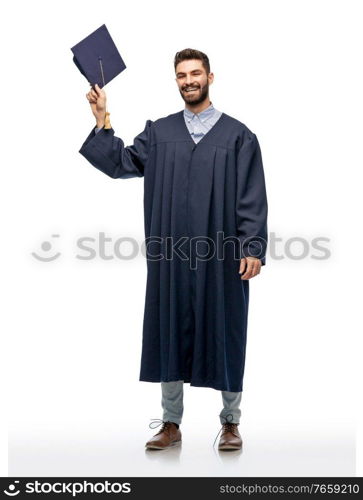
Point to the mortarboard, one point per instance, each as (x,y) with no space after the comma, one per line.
(97,58)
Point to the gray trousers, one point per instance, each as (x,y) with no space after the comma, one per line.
(172,403)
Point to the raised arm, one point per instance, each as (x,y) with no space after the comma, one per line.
(107,152)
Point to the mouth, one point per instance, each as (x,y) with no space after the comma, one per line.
(190,90)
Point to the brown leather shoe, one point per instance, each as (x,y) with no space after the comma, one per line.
(230,438)
(169,435)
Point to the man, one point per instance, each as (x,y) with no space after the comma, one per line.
(205,209)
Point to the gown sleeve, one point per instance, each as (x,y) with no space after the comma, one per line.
(251,202)
(108,153)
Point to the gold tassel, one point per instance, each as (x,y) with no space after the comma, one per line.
(107,121)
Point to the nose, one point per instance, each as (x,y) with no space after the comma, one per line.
(189,79)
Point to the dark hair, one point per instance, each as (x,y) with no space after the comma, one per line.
(192,54)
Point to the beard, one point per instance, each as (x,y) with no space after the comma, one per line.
(197,97)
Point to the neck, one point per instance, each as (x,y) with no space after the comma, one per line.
(198,108)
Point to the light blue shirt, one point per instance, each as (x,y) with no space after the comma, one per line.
(198,124)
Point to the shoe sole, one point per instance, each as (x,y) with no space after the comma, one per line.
(229,447)
(156,447)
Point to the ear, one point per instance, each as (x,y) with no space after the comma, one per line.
(210,78)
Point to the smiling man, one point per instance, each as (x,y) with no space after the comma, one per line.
(205,209)
(193,81)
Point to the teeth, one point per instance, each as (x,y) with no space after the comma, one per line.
(190,90)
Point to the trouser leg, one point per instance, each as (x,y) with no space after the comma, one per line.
(172,401)
(231,407)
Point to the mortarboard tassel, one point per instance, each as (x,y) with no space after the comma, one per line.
(107,115)
(107,121)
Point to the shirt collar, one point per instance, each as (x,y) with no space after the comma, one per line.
(203,115)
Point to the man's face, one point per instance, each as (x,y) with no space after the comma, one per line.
(193,81)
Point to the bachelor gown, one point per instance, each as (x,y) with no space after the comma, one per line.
(196,305)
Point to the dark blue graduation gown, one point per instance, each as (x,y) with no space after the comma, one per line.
(195,316)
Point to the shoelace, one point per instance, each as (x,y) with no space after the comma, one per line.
(227,425)
(156,422)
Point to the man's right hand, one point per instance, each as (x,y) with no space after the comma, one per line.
(97,100)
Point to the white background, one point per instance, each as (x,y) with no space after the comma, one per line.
(291,71)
